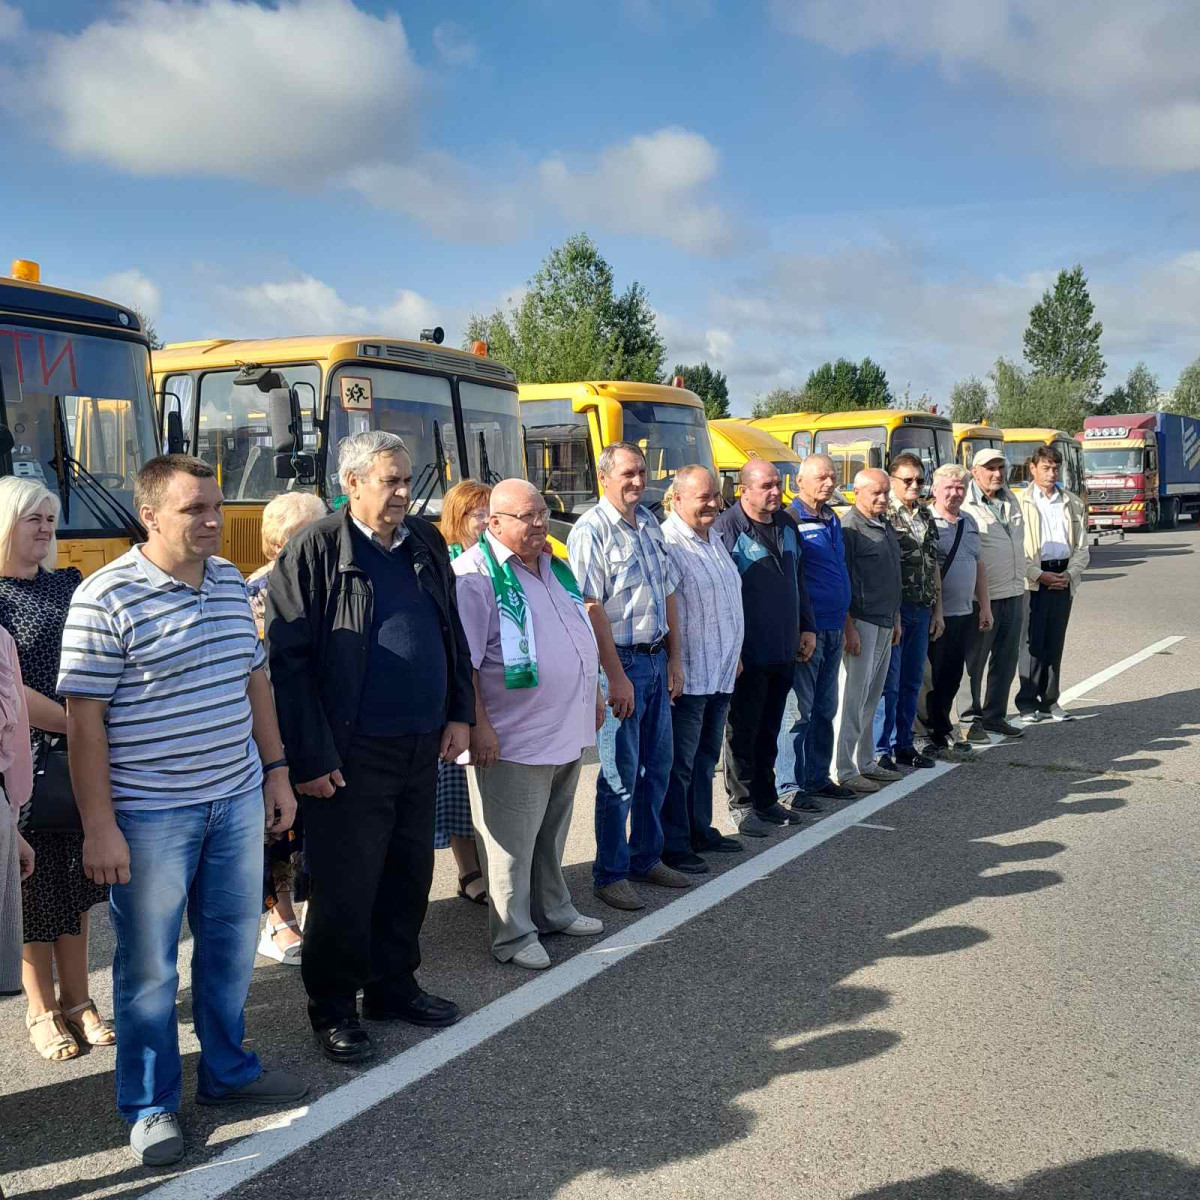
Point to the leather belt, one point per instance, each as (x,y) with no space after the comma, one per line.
(1055,564)
(646,647)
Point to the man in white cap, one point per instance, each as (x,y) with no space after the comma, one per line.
(993,653)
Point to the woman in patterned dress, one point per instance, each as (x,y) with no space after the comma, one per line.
(285,882)
(56,898)
(464,518)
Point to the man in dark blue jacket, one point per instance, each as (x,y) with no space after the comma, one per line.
(766,549)
(806,739)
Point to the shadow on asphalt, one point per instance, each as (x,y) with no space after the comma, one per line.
(1127,1175)
(652,1061)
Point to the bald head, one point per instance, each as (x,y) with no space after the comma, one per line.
(692,478)
(762,490)
(697,498)
(519,519)
(871,489)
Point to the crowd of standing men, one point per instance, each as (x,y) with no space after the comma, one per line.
(806,648)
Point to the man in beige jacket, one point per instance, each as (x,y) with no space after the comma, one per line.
(983,705)
(1056,545)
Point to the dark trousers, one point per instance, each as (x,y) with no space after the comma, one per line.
(370,855)
(752,735)
(947,658)
(1042,649)
(697,727)
(992,663)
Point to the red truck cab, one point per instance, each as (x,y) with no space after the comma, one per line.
(1120,464)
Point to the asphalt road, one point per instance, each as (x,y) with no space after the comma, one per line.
(986,989)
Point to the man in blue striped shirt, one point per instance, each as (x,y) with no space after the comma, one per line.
(174,750)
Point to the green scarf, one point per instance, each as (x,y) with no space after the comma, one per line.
(517,643)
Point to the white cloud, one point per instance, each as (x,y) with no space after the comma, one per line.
(450,40)
(652,185)
(276,94)
(309,305)
(133,289)
(12,22)
(1119,79)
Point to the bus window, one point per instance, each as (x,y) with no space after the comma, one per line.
(852,450)
(945,446)
(181,388)
(670,436)
(493,431)
(558,455)
(235,436)
(1018,455)
(920,440)
(802,443)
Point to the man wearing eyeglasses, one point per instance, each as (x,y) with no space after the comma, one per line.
(994,652)
(921,619)
(620,560)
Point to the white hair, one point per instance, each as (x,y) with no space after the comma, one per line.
(952,471)
(18,498)
(868,475)
(288,514)
(356,452)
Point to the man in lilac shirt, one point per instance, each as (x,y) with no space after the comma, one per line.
(538,705)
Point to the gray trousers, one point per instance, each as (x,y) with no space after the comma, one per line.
(860,684)
(992,663)
(521,815)
(11,934)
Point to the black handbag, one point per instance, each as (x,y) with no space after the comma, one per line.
(52,807)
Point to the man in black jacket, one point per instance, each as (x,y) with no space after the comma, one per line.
(372,678)
(766,549)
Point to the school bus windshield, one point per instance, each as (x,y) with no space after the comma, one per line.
(670,436)
(92,396)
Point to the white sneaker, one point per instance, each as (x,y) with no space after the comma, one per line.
(584,927)
(533,957)
(1032,718)
(1058,713)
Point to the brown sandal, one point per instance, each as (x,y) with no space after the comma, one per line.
(59,1048)
(99,1034)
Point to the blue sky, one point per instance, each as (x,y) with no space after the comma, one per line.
(790,179)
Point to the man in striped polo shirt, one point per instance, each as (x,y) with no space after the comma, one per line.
(174,750)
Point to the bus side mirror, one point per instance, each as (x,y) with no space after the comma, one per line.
(287,437)
(174,433)
(875,458)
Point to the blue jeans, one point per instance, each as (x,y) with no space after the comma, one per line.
(635,763)
(208,856)
(897,709)
(806,736)
(698,730)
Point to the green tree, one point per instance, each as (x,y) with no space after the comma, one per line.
(1142,389)
(1185,399)
(969,401)
(711,386)
(1062,341)
(1117,401)
(156,343)
(1041,401)
(841,386)
(779,400)
(571,324)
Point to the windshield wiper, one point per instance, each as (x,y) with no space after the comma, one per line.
(438,467)
(485,467)
(65,465)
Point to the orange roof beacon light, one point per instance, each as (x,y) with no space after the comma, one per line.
(480,347)
(26,270)
(677,381)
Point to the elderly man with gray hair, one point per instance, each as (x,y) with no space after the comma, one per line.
(372,677)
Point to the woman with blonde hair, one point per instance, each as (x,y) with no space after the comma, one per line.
(464,518)
(285,883)
(57,897)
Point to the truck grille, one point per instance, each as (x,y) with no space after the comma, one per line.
(1112,495)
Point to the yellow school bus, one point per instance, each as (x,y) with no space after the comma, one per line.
(456,410)
(1019,445)
(76,410)
(736,442)
(970,439)
(866,438)
(568,424)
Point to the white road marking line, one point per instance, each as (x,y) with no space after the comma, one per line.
(868,825)
(297,1128)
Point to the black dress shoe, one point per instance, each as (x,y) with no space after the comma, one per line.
(911,757)
(836,791)
(689,864)
(803,802)
(422,1009)
(886,761)
(725,845)
(347,1041)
